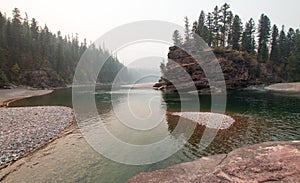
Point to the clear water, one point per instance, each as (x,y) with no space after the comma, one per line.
(260,116)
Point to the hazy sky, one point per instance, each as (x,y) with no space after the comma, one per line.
(92,18)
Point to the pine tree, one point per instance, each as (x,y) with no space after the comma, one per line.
(195,27)
(34,29)
(283,52)
(187,33)
(236,32)
(274,55)
(264,35)
(229,36)
(216,26)
(16,36)
(248,38)
(201,24)
(293,66)
(225,23)
(177,39)
(291,36)
(209,25)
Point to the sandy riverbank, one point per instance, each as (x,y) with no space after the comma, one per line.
(24,129)
(284,87)
(9,95)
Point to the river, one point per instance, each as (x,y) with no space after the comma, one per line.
(260,116)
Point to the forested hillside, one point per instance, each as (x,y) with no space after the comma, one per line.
(33,55)
(276,48)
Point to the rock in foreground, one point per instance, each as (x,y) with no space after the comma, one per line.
(26,128)
(266,162)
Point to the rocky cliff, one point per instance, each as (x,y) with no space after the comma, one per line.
(266,162)
(184,71)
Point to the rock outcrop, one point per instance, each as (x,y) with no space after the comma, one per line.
(266,162)
(183,70)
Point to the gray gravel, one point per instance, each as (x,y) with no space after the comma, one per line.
(208,119)
(23,129)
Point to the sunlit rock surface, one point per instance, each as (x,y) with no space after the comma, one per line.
(266,162)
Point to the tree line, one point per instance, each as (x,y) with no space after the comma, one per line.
(277,48)
(26,47)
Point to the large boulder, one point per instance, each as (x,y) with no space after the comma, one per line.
(266,162)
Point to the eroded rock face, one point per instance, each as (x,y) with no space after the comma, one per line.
(266,162)
(183,70)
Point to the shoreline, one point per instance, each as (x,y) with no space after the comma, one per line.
(11,95)
(68,130)
(284,87)
(23,131)
(13,166)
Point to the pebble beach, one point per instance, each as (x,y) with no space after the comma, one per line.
(24,129)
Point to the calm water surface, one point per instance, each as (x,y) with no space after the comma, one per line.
(260,116)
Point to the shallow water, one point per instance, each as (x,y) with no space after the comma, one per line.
(260,116)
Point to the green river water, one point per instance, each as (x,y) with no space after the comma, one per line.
(260,116)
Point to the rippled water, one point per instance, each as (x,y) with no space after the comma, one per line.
(260,116)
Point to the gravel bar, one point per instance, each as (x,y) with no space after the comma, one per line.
(284,87)
(208,119)
(24,129)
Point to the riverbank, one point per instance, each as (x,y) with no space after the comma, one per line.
(284,87)
(24,129)
(57,161)
(10,95)
(269,161)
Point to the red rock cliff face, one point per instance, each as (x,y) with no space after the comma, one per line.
(182,70)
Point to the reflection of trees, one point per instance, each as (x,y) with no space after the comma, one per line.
(104,101)
(172,101)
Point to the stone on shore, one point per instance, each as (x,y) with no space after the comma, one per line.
(24,129)
(266,162)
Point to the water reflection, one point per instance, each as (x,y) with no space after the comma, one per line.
(260,116)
